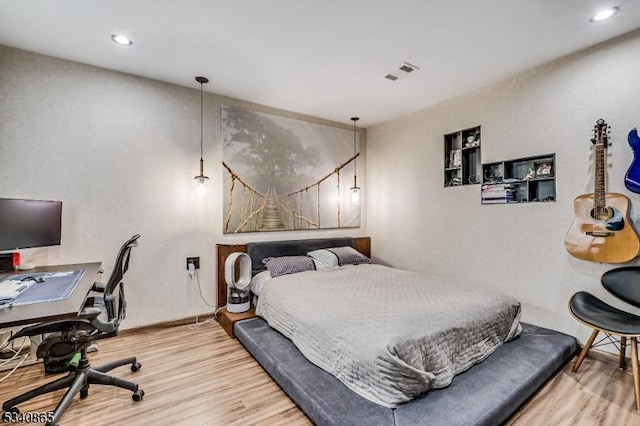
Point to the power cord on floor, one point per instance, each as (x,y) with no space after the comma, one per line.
(198,324)
(19,363)
(218,309)
(16,354)
(6,342)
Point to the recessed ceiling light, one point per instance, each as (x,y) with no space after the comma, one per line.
(604,14)
(121,40)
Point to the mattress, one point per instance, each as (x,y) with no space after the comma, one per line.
(389,335)
(485,395)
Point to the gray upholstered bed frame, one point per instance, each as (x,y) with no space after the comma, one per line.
(487,394)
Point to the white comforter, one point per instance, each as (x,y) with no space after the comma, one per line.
(388,334)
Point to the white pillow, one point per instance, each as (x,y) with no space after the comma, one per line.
(324,259)
(258,281)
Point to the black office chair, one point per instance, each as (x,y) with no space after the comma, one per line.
(623,283)
(100,318)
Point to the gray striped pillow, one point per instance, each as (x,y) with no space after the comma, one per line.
(288,265)
(349,256)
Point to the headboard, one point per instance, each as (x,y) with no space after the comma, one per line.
(259,250)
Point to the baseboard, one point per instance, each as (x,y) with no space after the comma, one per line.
(26,353)
(4,355)
(165,324)
(607,357)
(7,353)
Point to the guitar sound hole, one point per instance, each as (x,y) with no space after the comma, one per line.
(601,213)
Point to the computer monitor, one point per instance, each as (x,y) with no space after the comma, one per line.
(29,223)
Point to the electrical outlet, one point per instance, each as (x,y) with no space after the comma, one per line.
(195,261)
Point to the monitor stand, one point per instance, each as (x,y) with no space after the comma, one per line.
(26,266)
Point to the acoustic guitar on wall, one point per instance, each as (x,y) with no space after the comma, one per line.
(601,230)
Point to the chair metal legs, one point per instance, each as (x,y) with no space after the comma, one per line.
(78,382)
(58,384)
(95,377)
(636,370)
(635,367)
(585,351)
(119,363)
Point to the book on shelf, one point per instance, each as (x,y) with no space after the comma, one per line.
(497,186)
(498,201)
(498,193)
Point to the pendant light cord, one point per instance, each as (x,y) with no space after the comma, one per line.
(201,119)
(201,177)
(355,162)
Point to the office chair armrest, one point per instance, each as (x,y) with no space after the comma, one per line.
(90,313)
(99,287)
(104,327)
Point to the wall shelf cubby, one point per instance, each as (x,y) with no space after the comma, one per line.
(523,180)
(462,164)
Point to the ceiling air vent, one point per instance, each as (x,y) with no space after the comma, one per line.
(402,70)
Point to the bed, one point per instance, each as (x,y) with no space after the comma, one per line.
(489,385)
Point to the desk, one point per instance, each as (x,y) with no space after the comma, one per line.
(51,311)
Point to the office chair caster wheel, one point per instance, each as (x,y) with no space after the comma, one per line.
(84,393)
(136,366)
(137,395)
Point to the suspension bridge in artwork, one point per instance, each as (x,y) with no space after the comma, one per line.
(270,211)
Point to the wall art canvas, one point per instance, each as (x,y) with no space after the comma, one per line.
(285,174)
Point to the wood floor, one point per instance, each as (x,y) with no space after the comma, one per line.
(202,377)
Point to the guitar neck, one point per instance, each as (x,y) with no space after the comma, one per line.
(601,141)
(599,181)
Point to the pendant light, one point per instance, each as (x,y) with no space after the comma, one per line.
(355,190)
(201,178)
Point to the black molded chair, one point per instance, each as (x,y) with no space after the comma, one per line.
(100,318)
(623,283)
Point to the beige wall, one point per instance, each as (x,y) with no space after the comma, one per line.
(121,152)
(417,224)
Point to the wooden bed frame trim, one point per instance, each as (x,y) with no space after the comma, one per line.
(362,244)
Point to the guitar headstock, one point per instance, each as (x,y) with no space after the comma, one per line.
(601,132)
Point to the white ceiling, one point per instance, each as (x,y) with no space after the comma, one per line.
(323,58)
